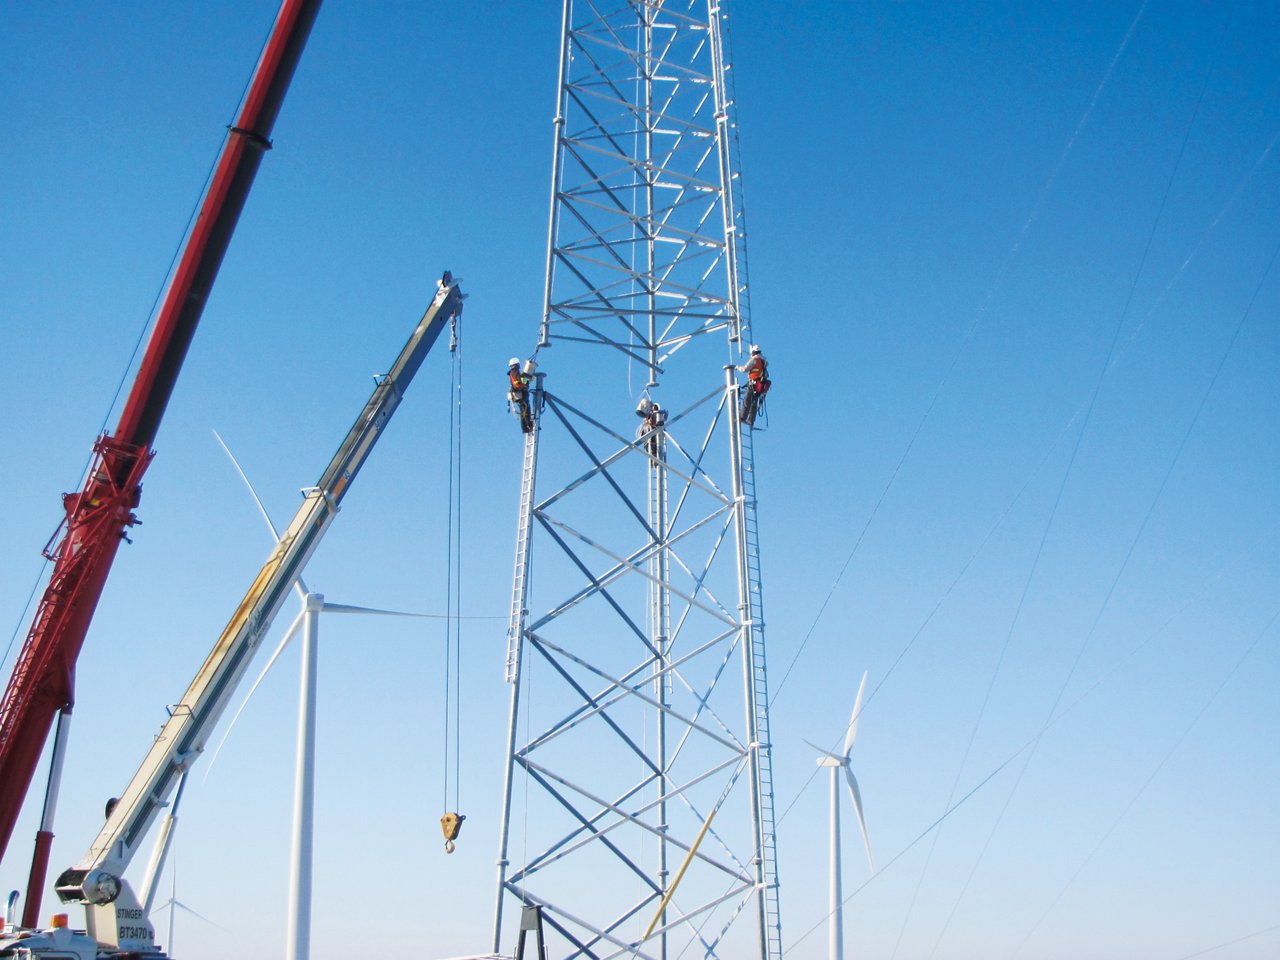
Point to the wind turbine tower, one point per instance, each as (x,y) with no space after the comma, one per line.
(638,804)
(836,762)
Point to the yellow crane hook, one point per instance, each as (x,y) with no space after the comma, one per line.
(451,824)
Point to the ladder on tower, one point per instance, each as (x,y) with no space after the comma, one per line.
(519,582)
(760,685)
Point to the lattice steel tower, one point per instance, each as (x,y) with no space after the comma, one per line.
(638,809)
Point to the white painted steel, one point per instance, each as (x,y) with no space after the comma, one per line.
(837,763)
(298,933)
(97,880)
(644,625)
(164,840)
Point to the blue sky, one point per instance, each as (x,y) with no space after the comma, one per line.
(960,215)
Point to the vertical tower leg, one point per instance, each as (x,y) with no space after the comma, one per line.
(643,727)
(515,647)
(660,627)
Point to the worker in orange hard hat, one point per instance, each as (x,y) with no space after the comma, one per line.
(758,383)
(519,394)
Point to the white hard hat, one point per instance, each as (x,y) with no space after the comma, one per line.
(754,348)
(513,362)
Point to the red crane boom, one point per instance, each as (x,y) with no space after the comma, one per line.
(98,517)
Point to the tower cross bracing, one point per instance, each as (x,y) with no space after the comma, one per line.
(638,806)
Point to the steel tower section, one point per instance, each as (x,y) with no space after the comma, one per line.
(638,809)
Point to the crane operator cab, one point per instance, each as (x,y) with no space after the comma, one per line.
(59,942)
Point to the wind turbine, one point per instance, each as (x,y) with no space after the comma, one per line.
(173,904)
(298,934)
(298,938)
(835,763)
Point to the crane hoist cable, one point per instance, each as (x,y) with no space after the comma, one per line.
(451,821)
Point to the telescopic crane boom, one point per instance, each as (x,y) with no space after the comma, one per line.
(117,926)
(99,516)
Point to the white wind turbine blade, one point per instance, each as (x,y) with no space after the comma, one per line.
(856,796)
(182,906)
(284,642)
(348,608)
(853,719)
(262,510)
(825,753)
(171,903)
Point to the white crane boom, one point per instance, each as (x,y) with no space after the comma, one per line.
(115,919)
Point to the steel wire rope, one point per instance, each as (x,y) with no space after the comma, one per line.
(457,564)
(137,343)
(186,232)
(923,833)
(22,617)
(1000,767)
(1080,651)
(983,307)
(1204,238)
(1049,523)
(1191,599)
(1120,355)
(1181,738)
(1229,943)
(1186,436)
(986,539)
(1116,360)
(453,574)
(448,603)
(979,314)
(991,531)
(964,569)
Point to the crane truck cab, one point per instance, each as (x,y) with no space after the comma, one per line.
(59,942)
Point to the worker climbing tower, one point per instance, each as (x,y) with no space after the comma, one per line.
(638,812)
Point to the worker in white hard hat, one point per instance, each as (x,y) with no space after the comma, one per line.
(757,370)
(519,395)
(652,416)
